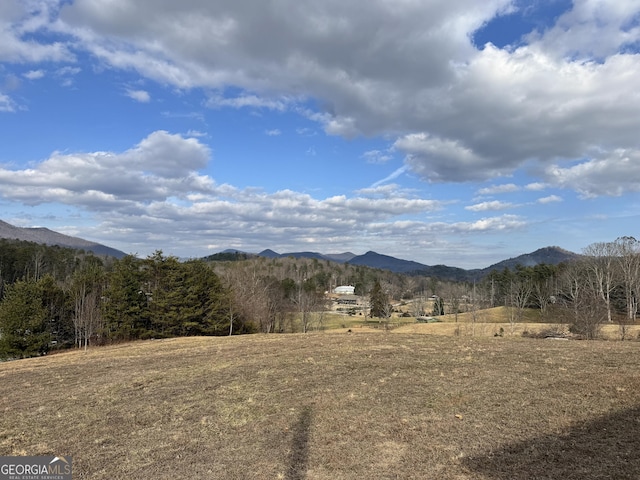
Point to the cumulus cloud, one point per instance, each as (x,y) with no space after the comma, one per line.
(609,173)
(402,69)
(536,186)
(34,74)
(141,96)
(593,29)
(160,166)
(151,192)
(502,223)
(438,159)
(19,24)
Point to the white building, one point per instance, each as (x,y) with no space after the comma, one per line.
(344,290)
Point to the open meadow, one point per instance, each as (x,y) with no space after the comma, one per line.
(365,404)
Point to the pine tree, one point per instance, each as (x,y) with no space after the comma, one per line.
(126,306)
(379,301)
(23,321)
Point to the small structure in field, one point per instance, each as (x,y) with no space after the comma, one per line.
(344,290)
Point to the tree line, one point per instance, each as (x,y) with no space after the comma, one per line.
(53,298)
(601,286)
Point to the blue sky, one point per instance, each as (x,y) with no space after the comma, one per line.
(456,132)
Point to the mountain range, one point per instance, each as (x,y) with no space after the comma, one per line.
(49,237)
(549,255)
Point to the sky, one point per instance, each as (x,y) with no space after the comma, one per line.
(452,132)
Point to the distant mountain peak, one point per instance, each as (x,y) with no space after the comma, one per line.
(340,257)
(386,262)
(268,253)
(550,255)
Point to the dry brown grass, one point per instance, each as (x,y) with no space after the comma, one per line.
(483,329)
(343,406)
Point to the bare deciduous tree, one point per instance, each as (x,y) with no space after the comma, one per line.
(581,298)
(628,255)
(86,291)
(601,262)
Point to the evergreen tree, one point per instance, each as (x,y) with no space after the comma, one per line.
(125,305)
(57,304)
(23,321)
(201,302)
(163,297)
(438,307)
(379,301)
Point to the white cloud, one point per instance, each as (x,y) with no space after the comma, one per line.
(403,69)
(7,104)
(160,166)
(388,190)
(502,223)
(550,199)
(34,74)
(608,173)
(247,101)
(147,195)
(141,96)
(487,225)
(593,28)
(273,132)
(168,155)
(486,206)
(406,69)
(19,24)
(536,186)
(502,188)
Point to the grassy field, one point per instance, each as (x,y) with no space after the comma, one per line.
(488,322)
(361,405)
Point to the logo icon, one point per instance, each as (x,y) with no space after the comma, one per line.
(35,468)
